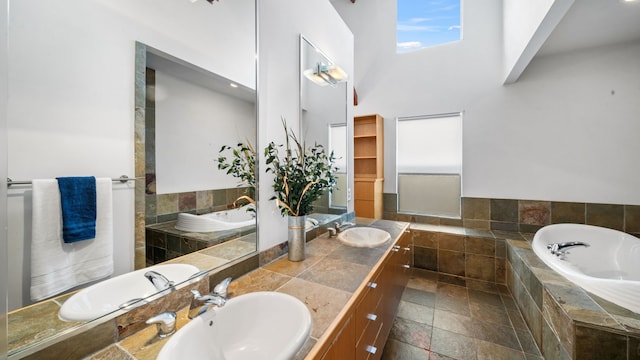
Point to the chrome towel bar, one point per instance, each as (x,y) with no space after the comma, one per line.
(123,179)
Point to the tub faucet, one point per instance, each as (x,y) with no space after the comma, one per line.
(560,249)
(203,303)
(159,281)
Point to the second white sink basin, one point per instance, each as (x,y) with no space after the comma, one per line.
(121,292)
(259,325)
(364,237)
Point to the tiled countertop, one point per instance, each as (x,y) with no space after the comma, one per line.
(325,281)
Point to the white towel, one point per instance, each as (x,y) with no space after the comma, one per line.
(55,265)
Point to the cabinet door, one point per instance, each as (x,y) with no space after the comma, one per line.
(365,208)
(344,346)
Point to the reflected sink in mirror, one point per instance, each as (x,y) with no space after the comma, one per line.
(367,237)
(122,292)
(259,325)
(217,221)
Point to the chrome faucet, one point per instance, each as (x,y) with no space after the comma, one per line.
(165,322)
(342,227)
(203,303)
(559,249)
(159,281)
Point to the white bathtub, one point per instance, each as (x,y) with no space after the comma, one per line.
(217,221)
(608,268)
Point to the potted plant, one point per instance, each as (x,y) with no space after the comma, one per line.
(302,175)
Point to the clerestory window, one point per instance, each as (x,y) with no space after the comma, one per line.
(426,23)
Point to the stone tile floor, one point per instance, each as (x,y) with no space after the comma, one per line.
(441,317)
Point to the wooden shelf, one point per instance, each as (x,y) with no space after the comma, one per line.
(368,165)
(364,136)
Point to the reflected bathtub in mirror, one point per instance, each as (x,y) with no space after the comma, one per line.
(217,221)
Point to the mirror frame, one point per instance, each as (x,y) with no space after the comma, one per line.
(304,41)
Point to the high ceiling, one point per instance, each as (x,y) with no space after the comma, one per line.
(591,23)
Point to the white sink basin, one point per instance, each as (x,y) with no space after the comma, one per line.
(113,294)
(260,325)
(363,237)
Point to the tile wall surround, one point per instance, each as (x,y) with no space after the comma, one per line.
(164,242)
(566,321)
(526,216)
(465,254)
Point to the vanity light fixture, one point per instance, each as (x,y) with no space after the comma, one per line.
(326,74)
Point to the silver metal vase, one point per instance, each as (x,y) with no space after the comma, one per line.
(297,237)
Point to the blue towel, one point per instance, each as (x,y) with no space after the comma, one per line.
(78,200)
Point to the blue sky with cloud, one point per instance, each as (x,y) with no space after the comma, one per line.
(424,23)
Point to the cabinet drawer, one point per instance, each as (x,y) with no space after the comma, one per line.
(381,339)
(367,306)
(367,344)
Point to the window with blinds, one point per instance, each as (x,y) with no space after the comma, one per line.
(429,164)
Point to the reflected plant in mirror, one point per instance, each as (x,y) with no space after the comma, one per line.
(242,166)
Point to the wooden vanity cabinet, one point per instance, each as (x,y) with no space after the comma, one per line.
(369,319)
(342,346)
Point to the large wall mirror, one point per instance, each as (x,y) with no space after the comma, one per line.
(151,89)
(323,120)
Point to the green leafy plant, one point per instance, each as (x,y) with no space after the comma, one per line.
(242,165)
(302,175)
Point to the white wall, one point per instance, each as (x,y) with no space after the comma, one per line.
(71,87)
(280,24)
(557,134)
(192,123)
(527,24)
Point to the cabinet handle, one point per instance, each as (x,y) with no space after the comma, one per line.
(372,285)
(406,249)
(372,317)
(394,249)
(406,266)
(371,349)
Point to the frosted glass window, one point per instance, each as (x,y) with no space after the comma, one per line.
(429,162)
(430,145)
(422,24)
